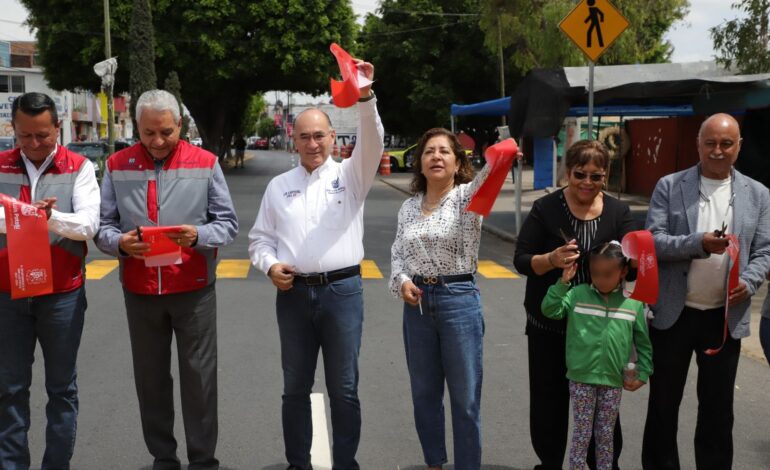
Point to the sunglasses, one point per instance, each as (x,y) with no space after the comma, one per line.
(594,177)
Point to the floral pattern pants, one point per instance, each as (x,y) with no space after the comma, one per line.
(595,409)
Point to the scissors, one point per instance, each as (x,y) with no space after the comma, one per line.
(721,232)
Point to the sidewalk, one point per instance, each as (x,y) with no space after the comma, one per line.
(501,222)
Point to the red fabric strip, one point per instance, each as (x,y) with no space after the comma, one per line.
(733,251)
(500,157)
(345,93)
(640,246)
(152,201)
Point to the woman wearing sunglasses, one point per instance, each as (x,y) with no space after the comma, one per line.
(559,229)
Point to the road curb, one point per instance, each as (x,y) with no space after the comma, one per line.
(491,229)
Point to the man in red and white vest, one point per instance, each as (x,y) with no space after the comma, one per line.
(62,183)
(165,181)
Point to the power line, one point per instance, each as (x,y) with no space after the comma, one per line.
(392,33)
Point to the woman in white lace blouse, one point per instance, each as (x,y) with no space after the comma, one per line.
(433,262)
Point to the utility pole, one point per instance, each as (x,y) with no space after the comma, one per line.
(110,86)
(502,63)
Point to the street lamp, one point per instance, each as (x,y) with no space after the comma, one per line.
(106,71)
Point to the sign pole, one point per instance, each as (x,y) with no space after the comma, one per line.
(591,100)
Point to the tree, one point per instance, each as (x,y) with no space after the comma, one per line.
(173,86)
(223,51)
(254,111)
(141,57)
(745,43)
(532,38)
(427,55)
(266,127)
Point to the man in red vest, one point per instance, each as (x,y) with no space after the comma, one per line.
(64,185)
(165,181)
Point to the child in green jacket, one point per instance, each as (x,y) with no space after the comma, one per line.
(602,328)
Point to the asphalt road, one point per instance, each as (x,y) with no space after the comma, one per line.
(109,433)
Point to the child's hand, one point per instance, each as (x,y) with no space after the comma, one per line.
(568,273)
(633,385)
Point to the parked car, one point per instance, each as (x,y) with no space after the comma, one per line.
(6,143)
(262,143)
(401,159)
(96,152)
(197,141)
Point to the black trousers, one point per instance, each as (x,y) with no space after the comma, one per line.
(672,349)
(191,317)
(549,402)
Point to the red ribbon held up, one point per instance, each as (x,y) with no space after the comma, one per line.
(640,246)
(734,252)
(500,157)
(345,93)
(29,252)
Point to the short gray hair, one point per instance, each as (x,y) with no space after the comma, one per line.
(158,100)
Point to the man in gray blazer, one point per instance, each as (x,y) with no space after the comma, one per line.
(687,214)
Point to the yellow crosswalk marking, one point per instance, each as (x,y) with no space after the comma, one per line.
(239,269)
(369,270)
(233,268)
(99,268)
(491,270)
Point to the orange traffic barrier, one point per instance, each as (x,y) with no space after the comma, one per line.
(385,164)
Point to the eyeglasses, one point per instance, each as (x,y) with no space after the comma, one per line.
(318,137)
(594,177)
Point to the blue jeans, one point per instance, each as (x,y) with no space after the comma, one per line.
(328,317)
(445,343)
(764,336)
(56,321)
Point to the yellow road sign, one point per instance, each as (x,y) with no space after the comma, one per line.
(593,25)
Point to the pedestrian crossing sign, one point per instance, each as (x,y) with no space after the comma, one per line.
(593,25)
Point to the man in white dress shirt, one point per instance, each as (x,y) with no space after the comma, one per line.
(63,183)
(308,239)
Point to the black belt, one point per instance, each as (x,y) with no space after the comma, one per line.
(319,279)
(442,279)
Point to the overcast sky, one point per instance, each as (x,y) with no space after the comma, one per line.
(690,38)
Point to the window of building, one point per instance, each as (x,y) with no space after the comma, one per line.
(12,84)
(17,84)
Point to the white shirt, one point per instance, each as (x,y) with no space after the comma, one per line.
(706,277)
(83,222)
(443,243)
(315,221)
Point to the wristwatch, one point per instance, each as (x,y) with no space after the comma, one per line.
(363,100)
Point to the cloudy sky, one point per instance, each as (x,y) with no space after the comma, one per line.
(690,38)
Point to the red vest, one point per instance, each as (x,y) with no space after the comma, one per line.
(175,194)
(58,180)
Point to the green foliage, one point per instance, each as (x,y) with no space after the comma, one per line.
(744,44)
(173,86)
(425,62)
(532,39)
(141,57)
(254,111)
(224,51)
(266,127)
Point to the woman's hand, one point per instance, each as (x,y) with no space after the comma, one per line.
(564,256)
(411,293)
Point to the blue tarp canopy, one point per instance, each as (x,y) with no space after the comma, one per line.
(498,107)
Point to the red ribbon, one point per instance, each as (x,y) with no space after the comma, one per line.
(733,251)
(500,156)
(640,246)
(345,93)
(163,250)
(29,263)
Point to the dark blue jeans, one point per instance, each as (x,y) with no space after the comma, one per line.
(328,317)
(445,343)
(56,321)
